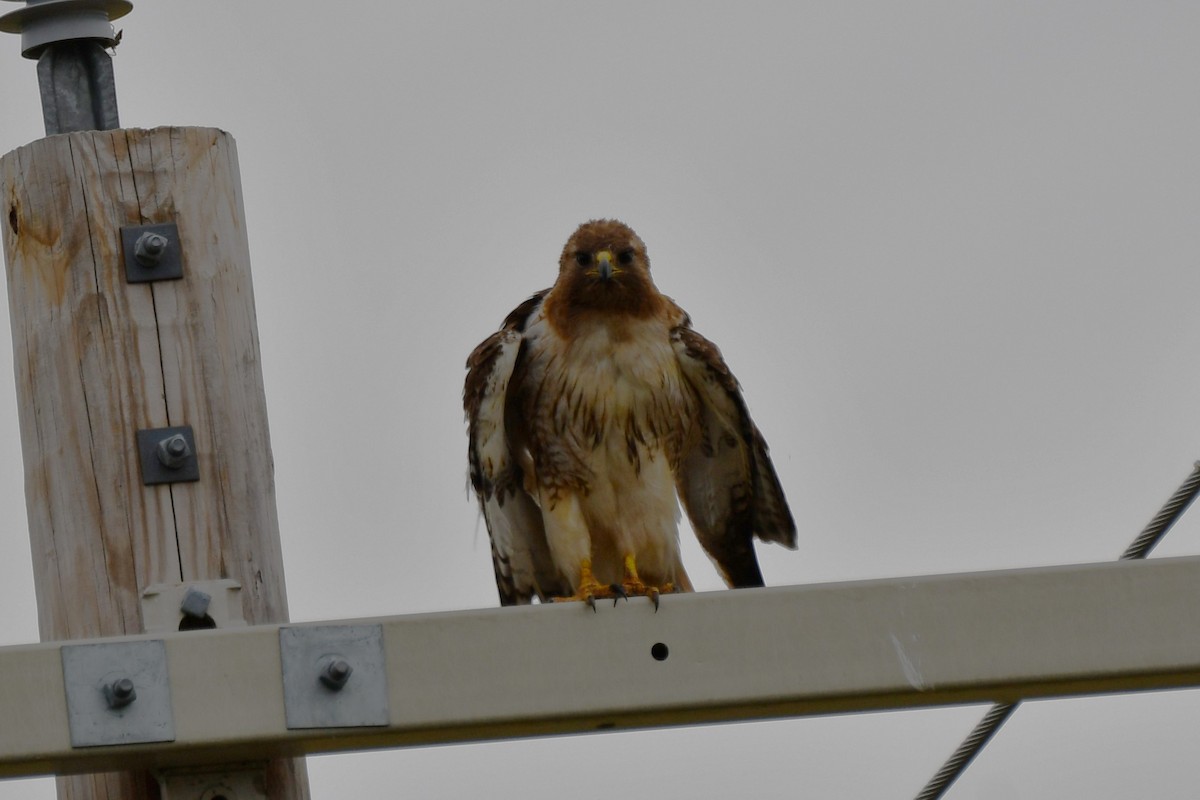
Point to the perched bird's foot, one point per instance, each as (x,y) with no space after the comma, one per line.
(656,592)
(636,587)
(590,590)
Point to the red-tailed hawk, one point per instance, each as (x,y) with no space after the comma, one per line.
(588,410)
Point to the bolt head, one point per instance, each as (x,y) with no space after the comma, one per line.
(149,249)
(120,693)
(336,673)
(195,603)
(173,451)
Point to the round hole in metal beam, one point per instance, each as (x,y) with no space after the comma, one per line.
(659,651)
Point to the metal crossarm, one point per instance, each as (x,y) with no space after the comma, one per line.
(500,673)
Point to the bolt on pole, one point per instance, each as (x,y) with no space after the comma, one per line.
(70,40)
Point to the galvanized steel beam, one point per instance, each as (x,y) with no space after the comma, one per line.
(748,654)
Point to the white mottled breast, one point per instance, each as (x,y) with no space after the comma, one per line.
(611,379)
(618,410)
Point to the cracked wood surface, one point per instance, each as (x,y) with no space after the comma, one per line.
(97,359)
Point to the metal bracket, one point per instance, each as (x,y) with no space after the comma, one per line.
(168,607)
(230,783)
(334,676)
(168,455)
(152,253)
(117,693)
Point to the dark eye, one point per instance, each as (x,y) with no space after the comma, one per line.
(625,257)
(583,258)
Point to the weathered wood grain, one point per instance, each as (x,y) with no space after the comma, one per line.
(97,359)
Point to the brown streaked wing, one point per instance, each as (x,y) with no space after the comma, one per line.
(726,479)
(520,555)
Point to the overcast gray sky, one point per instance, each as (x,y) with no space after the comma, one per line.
(949,248)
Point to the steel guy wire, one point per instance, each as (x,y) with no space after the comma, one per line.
(987,727)
(1165,518)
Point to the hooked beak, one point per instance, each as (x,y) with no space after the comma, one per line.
(604,265)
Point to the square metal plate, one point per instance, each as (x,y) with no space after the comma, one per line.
(308,702)
(89,668)
(170,261)
(153,469)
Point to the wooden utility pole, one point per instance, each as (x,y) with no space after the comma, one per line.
(98,359)
(139,390)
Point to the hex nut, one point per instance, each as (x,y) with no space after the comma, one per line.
(173,452)
(336,673)
(195,603)
(149,248)
(120,693)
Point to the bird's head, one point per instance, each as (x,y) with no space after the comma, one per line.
(604,267)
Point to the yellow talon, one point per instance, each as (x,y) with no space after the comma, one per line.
(635,586)
(630,567)
(589,588)
(632,583)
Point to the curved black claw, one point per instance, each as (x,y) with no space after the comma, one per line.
(653,595)
(591,601)
(618,592)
